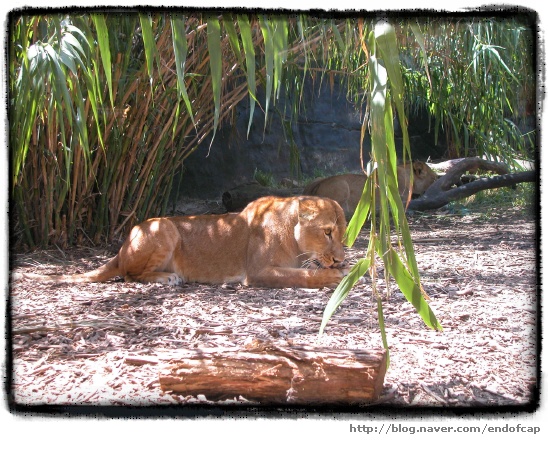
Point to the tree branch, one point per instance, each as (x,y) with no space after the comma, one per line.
(435,197)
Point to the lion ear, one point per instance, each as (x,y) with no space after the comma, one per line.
(308,209)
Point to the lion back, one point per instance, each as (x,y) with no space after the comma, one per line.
(345,189)
(312,187)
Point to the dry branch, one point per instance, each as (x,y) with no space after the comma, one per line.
(472,165)
(455,168)
(273,375)
(449,187)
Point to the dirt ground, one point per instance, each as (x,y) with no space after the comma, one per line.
(101,343)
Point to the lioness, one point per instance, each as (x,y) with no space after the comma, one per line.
(273,242)
(347,189)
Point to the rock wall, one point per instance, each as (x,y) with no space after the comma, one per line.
(326,135)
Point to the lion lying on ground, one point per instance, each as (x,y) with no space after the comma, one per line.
(273,242)
(347,189)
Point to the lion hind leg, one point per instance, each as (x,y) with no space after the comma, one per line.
(148,256)
(157,270)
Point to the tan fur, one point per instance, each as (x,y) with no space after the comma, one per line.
(273,242)
(347,189)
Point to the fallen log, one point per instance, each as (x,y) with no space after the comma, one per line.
(237,198)
(271,374)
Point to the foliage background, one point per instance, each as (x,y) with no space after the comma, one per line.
(104,108)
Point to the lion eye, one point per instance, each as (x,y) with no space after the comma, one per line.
(327,231)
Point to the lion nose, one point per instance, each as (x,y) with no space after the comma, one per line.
(339,263)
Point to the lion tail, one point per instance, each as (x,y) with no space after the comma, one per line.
(107,271)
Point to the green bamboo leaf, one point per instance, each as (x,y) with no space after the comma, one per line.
(59,84)
(388,174)
(378,105)
(75,30)
(151,52)
(343,289)
(379,144)
(104,48)
(493,51)
(410,289)
(67,57)
(391,158)
(420,39)
(301,27)
(380,314)
(80,123)
(360,214)
(385,37)
(93,100)
(249,50)
(266,29)
(228,23)
(26,111)
(90,70)
(57,115)
(279,39)
(394,199)
(216,66)
(71,41)
(180,47)
(338,38)
(456,139)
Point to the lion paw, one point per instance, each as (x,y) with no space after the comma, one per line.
(174,280)
(344,270)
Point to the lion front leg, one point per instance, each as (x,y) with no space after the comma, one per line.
(280,277)
(169,278)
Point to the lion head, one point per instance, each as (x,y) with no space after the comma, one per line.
(423,177)
(319,232)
